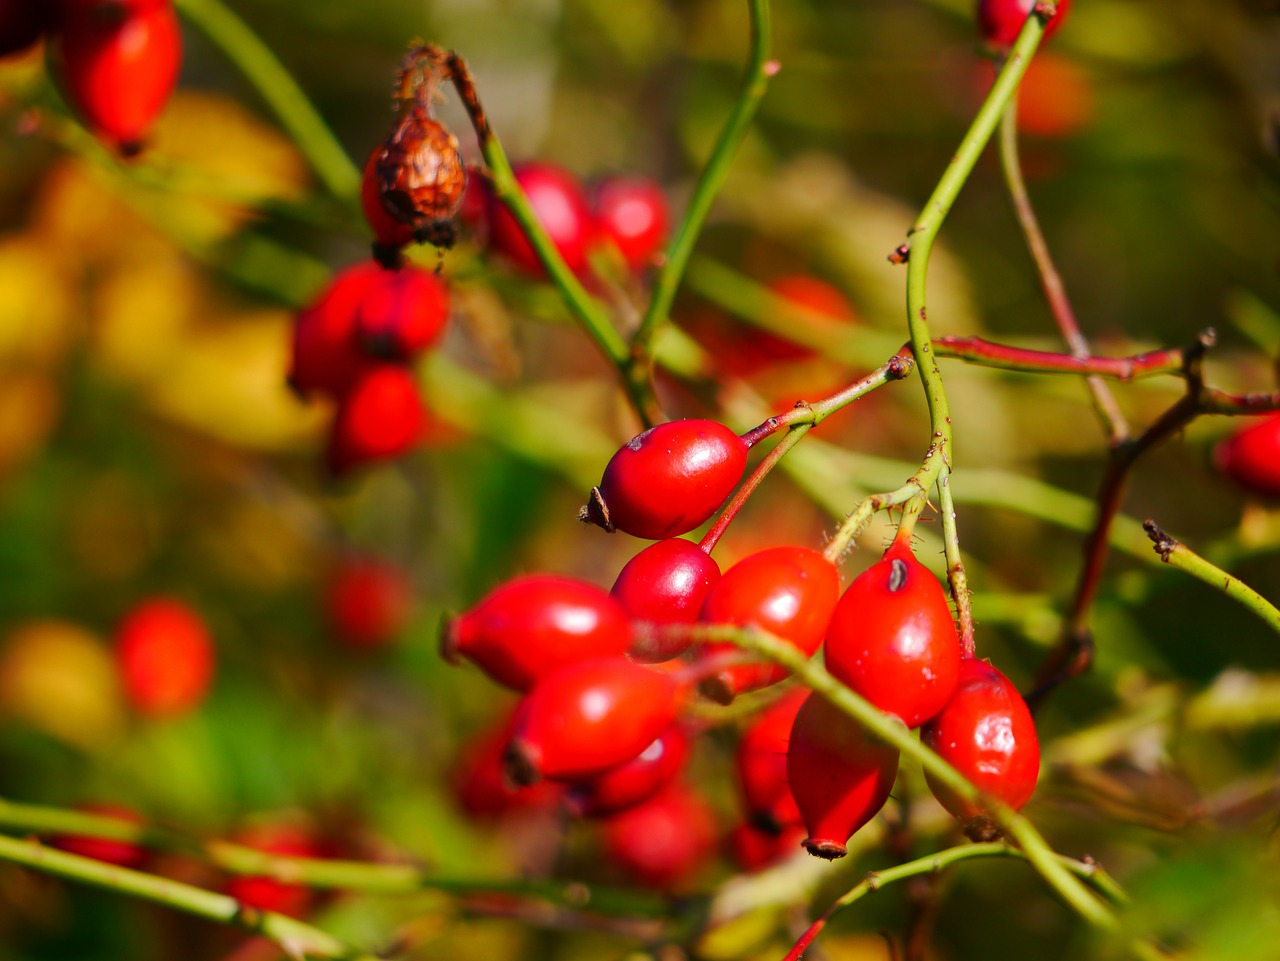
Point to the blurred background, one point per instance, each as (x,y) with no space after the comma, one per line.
(149,444)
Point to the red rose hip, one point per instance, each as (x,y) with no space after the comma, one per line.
(761,764)
(632,782)
(666,583)
(668,480)
(1000,21)
(560,206)
(382,417)
(663,842)
(893,640)
(127,854)
(532,626)
(1251,456)
(166,657)
(632,212)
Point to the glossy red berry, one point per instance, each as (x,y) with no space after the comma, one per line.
(118,72)
(166,657)
(22,23)
(402,313)
(986,733)
(665,583)
(761,764)
(668,480)
(560,205)
(380,418)
(267,893)
(634,781)
(588,717)
(632,213)
(663,842)
(326,357)
(839,776)
(893,640)
(480,785)
(124,853)
(788,591)
(368,601)
(1251,456)
(532,626)
(1000,21)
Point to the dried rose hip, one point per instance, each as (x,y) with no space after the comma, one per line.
(531,626)
(788,591)
(420,176)
(893,640)
(668,480)
(986,733)
(839,776)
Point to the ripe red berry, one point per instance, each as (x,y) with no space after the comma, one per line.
(481,788)
(267,893)
(634,781)
(22,22)
(839,776)
(402,313)
(368,601)
(561,207)
(389,234)
(986,733)
(788,591)
(663,842)
(632,212)
(124,853)
(893,640)
(1251,456)
(326,357)
(166,657)
(588,717)
(668,480)
(381,418)
(1000,21)
(761,763)
(665,583)
(532,626)
(118,73)
(754,849)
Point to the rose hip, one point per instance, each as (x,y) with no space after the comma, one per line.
(165,656)
(761,764)
(560,206)
(666,583)
(380,418)
(663,842)
(632,213)
(1000,21)
(634,781)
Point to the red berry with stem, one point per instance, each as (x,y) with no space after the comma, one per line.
(326,357)
(893,640)
(761,764)
(368,601)
(380,418)
(267,893)
(532,626)
(1251,456)
(839,775)
(402,313)
(666,583)
(127,854)
(634,781)
(166,657)
(789,592)
(987,734)
(632,213)
(663,842)
(588,717)
(560,206)
(22,23)
(668,480)
(1000,21)
(118,72)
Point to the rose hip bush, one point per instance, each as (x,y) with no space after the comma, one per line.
(926,450)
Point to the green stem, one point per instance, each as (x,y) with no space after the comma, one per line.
(296,938)
(956,576)
(759,69)
(893,732)
(281,92)
(1176,554)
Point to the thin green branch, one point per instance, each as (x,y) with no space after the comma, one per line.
(755,81)
(296,938)
(279,90)
(1176,554)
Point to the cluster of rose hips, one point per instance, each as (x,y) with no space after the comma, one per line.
(603,690)
(116,61)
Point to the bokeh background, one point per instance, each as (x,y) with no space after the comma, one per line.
(149,445)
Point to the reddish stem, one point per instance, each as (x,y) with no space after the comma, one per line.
(976,350)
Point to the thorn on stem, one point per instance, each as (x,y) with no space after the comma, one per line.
(1164,544)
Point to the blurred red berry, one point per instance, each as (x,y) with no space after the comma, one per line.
(632,213)
(166,657)
(561,207)
(634,781)
(381,418)
(480,785)
(402,313)
(118,72)
(754,849)
(1251,456)
(761,764)
(665,841)
(532,626)
(368,601)
(326,357)
(267,893)
(126,854)
(1000,21)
